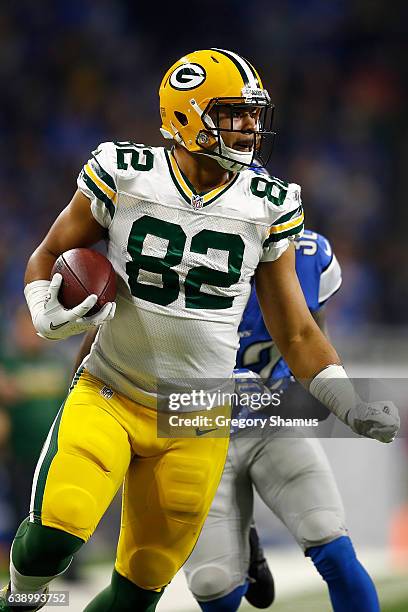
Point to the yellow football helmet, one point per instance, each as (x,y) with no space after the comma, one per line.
(192,94)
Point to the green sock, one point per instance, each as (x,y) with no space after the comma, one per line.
(124,596)
(43,551)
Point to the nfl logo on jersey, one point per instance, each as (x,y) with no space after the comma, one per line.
(106,392)
(197,201)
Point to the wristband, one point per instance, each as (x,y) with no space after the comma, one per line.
(333,388)
(35,294)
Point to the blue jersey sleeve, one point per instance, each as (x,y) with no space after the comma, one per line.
(317,269)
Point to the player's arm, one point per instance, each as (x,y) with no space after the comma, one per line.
(309,354)
(319,317)
(74,227)
(288,319)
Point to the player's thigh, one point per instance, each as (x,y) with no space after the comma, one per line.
(166,499)
(219,561)
(294,479)
(82,464)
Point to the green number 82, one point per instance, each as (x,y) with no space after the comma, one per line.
(196,277)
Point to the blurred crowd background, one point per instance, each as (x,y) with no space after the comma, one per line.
(80,72)
(77,73)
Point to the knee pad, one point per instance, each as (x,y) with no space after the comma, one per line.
(320,527)
(209,582)
(72,507)
(151,568)
(183,485)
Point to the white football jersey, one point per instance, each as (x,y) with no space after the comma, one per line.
(184,263)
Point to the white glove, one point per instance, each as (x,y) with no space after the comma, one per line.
(379,420)
(52,320)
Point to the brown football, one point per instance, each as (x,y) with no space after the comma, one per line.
(84,272)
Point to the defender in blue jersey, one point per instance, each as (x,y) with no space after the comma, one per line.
(289,471)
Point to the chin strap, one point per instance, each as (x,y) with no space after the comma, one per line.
(242,160)
(228,164)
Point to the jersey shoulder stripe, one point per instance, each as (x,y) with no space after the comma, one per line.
(292,227)
(97,181)
(94,185)
(288,216)
(95,173)
(102,173)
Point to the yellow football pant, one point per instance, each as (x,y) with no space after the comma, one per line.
(95,443)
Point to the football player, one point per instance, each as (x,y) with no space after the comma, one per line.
(290,472)
(186,231)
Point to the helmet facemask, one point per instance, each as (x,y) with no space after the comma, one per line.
(218,119)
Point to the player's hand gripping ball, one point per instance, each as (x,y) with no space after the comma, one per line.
(80,295)
(85,272)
